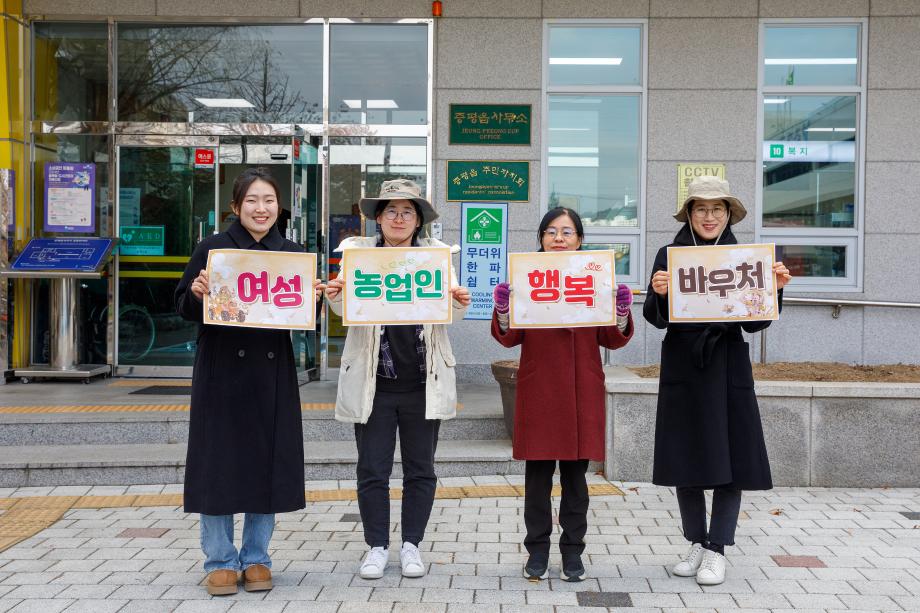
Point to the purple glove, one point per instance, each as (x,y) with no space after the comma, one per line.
(624,299)
(500,296)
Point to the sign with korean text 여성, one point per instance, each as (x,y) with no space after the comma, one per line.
(261,289)
(70,197)
(686,173)
(562,289)
(396,285)
(488,181)
(722,283)
(490,124)
(483,253)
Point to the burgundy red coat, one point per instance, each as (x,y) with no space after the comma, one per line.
(559,411)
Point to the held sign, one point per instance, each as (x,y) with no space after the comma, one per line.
(260,289)
(722,283)
(562,289)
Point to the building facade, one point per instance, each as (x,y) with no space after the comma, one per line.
(806,108)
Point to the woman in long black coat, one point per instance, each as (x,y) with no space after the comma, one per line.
(708,433)
(245,447)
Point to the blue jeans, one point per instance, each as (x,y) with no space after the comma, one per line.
(217,541)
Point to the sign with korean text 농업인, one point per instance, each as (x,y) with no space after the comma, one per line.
(686,173)
(483,253)
(488,181)
(142,240)
(70,197)
(490,124)
(396,285)
(261,289)
(722,283)
(562,289)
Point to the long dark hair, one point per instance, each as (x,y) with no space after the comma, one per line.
(418,215)
(552,215)
(245,181)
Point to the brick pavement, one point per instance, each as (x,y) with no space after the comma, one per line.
(803,549)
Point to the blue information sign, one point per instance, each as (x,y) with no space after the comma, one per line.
(71,254)
(484,253)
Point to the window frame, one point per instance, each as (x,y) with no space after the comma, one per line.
(852,238)
(634,236)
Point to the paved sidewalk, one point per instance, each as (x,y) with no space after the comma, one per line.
(797,549)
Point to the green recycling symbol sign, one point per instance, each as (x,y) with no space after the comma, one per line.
(484,225)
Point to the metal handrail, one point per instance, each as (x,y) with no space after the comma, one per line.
(832,302)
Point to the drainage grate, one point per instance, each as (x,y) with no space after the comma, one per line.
(603,599)
(165,390)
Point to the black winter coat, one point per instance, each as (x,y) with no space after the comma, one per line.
(245,442)
(708,431)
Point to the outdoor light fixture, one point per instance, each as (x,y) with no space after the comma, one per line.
(225,103)
(436,8)
(585,61)
(814,61)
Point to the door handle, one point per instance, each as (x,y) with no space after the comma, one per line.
(200,232)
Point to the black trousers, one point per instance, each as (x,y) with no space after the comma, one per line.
(418,441)
(726,505)
(538,506)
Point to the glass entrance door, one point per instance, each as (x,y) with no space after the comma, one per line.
(166,204)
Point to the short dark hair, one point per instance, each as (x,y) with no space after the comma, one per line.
(247,178)
(552,215)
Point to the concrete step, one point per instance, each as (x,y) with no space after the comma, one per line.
(169,427)
(52,465)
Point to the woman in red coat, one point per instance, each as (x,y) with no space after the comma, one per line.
(559,411)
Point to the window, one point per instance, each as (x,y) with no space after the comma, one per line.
(810,189)
(594,133)
(71,71)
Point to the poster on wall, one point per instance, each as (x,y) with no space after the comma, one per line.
(688,172)
(562,289)
(260,289)
(70,197)
(8,200)
(722,283)
(483,253)
(398,285)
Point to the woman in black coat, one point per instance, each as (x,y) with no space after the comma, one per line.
(708,433)
(245,446)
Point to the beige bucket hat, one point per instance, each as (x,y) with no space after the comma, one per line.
(711,188)
(400,189)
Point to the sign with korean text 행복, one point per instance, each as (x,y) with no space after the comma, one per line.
(686,173)
(483,253)
(562,289)
(70,197)
(490,124)
(488,181)
(261,289)
(722,283)
(396,285)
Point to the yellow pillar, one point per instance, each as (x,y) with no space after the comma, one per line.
(14,154)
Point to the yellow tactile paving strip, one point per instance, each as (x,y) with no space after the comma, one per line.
(149,382)
(21,518)
(129,408)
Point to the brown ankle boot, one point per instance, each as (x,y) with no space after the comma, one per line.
(257,578)
(222,582)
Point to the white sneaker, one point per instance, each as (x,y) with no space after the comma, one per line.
(375,562)
(689,565)
(411,560)
(712,569)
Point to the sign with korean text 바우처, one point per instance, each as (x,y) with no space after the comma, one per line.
(488,181)
(562,289)
(483,253)
(686,173)
(396,285)
(722,283)
(490,124)
(261,289)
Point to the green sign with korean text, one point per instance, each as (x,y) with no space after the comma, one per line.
(490,124)
(142,240)
(488,181)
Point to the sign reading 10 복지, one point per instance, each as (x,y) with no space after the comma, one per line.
(488,181)
(490,124)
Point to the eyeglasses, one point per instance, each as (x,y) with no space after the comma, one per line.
(567,233)
(717,212)
(392,214)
